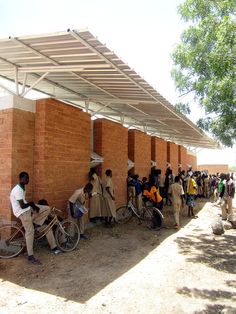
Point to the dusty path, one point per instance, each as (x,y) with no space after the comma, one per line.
(130,269)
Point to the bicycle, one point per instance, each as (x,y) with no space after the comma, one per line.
(12,236)
(125,212)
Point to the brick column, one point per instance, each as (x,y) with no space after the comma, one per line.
(140,152)
(192,160)
(174,156)
(111,143)
(62,151)
(17,120)
(183,157)
(159,153)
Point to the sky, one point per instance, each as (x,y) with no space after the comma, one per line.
(143,33)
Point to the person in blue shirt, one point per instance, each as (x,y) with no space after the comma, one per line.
(138,192)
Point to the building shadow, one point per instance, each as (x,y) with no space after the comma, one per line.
(98,262)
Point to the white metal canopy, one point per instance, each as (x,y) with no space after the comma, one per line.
(75,67)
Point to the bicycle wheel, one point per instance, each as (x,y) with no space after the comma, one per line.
(147,213)
(123,214)
(151,213)
(12,241)
(67,235)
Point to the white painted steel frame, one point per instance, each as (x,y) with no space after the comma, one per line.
(75,67)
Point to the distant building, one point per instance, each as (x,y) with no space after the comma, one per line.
(213,169)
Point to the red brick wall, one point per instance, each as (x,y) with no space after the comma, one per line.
(16,154)
(213,169)
(159,153)
(6,118)
(192,160)
(23,147)
(139,151)
(168,152)
(62,151)
(174,157)
(183,157)
(111,143)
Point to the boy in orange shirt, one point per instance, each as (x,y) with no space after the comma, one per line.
(151,193)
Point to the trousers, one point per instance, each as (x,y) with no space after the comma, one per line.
(28,219)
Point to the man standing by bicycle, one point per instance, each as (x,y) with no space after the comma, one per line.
(30,214)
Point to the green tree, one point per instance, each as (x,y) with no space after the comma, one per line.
(205,64)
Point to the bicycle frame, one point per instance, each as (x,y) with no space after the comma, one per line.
(13,241)
(48,227)
(133,208)
(144,208)
(15,233)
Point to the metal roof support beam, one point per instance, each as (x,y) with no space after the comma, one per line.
(131,125)
(116,101)
(19,42)
(58,67)
(145,128)
(146,114)
(24,83)
(106,81)
(56,63)
(8,62)
(80,96)
(51,60)
(79,38)
(52,69)
(122,101)
(34,84)
(86,103)
(99,110)
(16,81)
(122,119)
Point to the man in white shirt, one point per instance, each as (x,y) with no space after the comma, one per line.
(23,210)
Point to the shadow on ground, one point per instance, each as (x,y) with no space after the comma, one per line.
(81,274)
(213,296)
(216,252)
(217,309)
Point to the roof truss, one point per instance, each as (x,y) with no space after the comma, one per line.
(75,67)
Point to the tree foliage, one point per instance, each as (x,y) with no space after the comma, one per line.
(205,63)
(183,108)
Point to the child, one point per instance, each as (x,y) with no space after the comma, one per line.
(75,210)
(151,193)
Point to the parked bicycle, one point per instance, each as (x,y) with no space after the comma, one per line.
(125,212)
(12,236)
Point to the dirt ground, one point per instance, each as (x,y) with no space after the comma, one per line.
(130,269)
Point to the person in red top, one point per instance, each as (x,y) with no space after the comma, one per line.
(151,193)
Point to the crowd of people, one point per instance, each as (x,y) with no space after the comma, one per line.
(99,196)
(185,188)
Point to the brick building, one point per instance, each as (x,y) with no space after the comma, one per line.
(192,160)
(53,140)
(213,169)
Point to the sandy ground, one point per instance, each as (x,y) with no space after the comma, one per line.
(130,269)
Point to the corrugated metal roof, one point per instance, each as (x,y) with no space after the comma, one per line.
(75,67)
